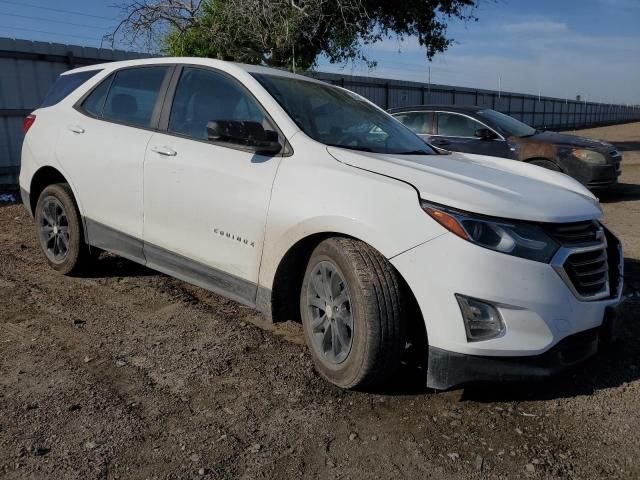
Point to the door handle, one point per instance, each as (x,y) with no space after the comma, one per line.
(166,151)
(76,129)
(440,141)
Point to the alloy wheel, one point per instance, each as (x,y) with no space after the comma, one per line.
(330,311)
(53,230)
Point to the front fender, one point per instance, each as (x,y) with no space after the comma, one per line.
(329,225)
(380,211)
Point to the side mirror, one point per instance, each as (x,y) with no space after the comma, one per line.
(485,134)
(251,135)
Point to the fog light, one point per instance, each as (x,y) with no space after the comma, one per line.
(482,320)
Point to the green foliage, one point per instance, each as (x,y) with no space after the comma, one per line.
(281,32)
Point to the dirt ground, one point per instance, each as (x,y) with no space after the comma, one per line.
(129,374)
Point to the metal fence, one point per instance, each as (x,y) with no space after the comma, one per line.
(540,112)
(27,69)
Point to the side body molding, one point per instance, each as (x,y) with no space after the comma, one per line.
(170,263)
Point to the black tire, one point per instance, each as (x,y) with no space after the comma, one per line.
(376,304)
(77,255)
(548,164)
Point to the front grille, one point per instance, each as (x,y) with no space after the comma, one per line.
(589,259)
(589,272)
(616,156)
(577,233)
(615,259)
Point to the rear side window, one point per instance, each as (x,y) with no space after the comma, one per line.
(94,103)
(128,97)
(64,85)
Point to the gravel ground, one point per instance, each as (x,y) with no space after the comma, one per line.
(131,374)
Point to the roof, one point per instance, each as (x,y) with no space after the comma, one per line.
(448,108)
(210,62)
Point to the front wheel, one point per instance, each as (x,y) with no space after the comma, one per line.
(351,305)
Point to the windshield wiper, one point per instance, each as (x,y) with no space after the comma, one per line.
(413,152)
(350,147)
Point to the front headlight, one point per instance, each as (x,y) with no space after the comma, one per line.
(520,239)
(590,156)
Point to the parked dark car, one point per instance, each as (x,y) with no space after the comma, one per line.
(483,131)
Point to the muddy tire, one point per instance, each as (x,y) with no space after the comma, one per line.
(351,303)
(59,230)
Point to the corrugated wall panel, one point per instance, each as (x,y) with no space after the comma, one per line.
(27,69)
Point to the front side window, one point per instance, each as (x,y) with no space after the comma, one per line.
(419,122)
(130,97)
(337,117)
(507,123)
(64,85)
(203,96)
(454,125)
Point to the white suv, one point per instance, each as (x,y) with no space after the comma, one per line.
(308,202)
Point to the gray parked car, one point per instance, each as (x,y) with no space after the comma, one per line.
(483,131)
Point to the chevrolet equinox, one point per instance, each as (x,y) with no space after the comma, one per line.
(308,202)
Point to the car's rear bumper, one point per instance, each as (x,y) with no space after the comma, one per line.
(26,200)
(448,369)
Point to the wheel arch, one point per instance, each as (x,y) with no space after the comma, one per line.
(545,159)
(282,300)
(42,178)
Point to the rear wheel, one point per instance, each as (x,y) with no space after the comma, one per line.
(59,229)
(351,305)
(548,164)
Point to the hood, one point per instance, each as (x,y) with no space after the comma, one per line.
(486,185)
(567,140)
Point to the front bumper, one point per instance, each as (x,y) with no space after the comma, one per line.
(544,319)
(603,176)
(450,369)
(598,176)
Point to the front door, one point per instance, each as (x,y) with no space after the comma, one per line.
(205,205)
(456,132)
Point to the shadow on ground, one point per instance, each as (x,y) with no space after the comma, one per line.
(622,192)
(109,265)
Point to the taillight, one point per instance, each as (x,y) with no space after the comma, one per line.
(28,121)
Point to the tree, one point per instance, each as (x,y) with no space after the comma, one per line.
(288,33)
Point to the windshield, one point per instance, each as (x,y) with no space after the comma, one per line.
(339,118)
(507,123)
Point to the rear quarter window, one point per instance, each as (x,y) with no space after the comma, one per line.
(128,96)
(64,85)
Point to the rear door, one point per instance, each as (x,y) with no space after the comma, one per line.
(205,204)
(456,132)
(102,147)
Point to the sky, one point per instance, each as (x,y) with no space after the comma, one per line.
(559,48)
